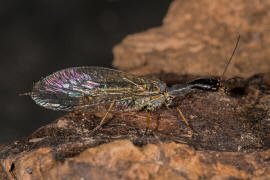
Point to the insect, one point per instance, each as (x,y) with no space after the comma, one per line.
(100,89)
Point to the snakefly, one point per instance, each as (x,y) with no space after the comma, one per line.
(100,89)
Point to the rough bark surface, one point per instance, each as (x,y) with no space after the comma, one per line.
(228,136)
(197,37)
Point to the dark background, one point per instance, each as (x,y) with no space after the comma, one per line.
(41,37)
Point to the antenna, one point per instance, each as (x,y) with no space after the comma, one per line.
(228,63)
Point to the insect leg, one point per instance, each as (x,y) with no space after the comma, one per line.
(103,119)
(148,121)
(182,116)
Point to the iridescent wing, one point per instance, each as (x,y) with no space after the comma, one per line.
(94,88)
